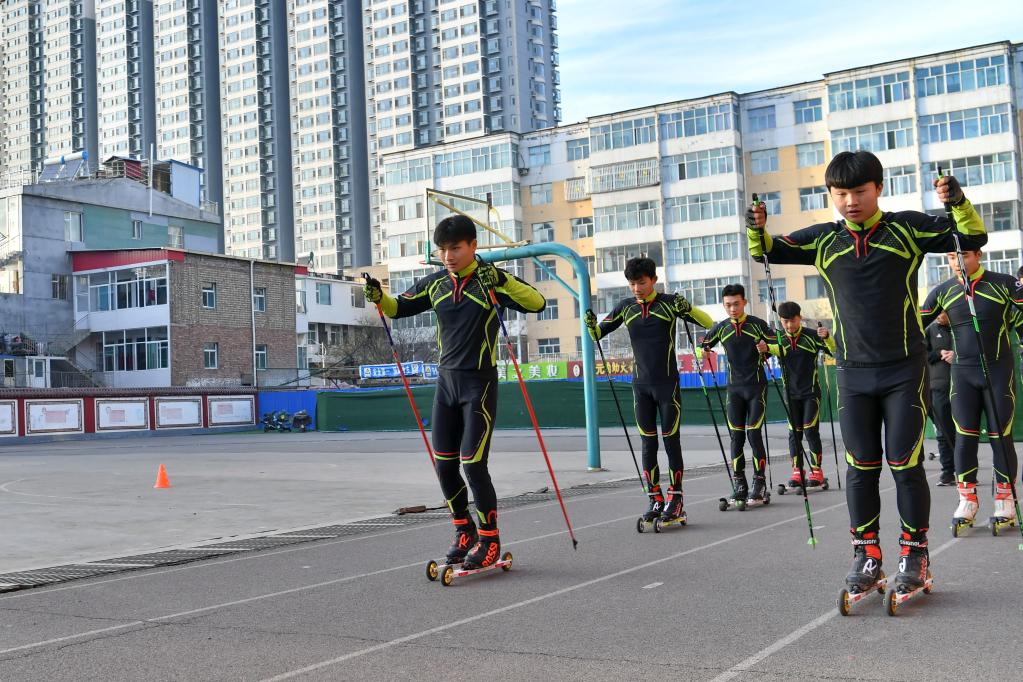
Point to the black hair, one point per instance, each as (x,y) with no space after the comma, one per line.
(852,169)
(733,290)
(637,268)
(454,229)
(788,310)
(1019,274)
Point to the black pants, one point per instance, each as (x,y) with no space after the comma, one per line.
(464,412)
(944,427)
(969,399)
(886,401)
(747,406)
(651,401)
(806,416)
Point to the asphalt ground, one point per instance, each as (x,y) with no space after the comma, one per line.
(734,595)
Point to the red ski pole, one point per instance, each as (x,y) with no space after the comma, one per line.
(404,379)
(532,414)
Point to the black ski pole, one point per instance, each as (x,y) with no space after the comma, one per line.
(831,418)
(642,479)
(767,439)
(964,277)
(710,410)
(781,350)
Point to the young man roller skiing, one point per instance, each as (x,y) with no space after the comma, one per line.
(798,355)
(998,300)
(744,338)
(650,319)
(465,403)
(869,263)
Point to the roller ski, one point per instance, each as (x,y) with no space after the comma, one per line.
(865,577)
(741,501)
(914,574)
(966,513)
(653,511)
(466,536)
(1005,510)
(673,515)
(480,559)
(815,480)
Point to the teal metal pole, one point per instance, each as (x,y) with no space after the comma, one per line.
(589,366)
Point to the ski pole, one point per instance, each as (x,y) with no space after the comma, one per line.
(710,409)
(404,379)
(781,351)
(767,439)
(831,418)
(642,479)
(532,414)
(964,277)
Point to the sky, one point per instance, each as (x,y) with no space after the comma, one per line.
(619,55)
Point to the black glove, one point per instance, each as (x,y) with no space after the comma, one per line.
(591,325)
(490,276)
(681,305)
(956,197)
(374,294)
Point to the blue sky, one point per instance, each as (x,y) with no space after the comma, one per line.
(618,55)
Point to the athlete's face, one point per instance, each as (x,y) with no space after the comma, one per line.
(457,256)
(792,324)
(642,287)
(735,306)
(856,204)
(971,259)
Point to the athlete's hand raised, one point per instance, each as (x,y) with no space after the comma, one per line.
(374,294)
(591,324)
(756,216)
(949,190)
(681,305)
(490,276)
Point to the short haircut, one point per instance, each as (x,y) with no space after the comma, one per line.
(733,290)
(637,268)
(788,310)
(454,229)
(1019,274)
(852,169)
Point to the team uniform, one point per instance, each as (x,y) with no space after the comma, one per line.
(939,338)
(651,324)
(465,402)
(746,407)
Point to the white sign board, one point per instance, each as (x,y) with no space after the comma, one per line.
(53,416)
(230,410)
(8,418)
(122,414)
(176,413)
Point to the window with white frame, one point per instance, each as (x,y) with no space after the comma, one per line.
(539,155)
(965,123)
(963,76)
(73,226)
(809,154)
(975,170)
(626,216)
(877,137)
(582,227)
(548,346)
(543,232)
(761,118)
(772,202)
(899,180)
(814,286)
(540,194)
(544,270)
(703,249)
(261,356)
(704,206)
(869,92)
(259,299)
(550,312)
(323,293)
(763,161)
(136,229)
(808,110)
(210,355)
(621,176)
(209,295)
(813,198)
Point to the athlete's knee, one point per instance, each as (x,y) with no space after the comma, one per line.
(477,473)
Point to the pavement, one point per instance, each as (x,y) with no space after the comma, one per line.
(733,595)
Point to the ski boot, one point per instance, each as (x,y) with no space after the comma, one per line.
(1005,509)
(482,557)
(866,575)
(816,479)
(740,493)
(759,494)
(465,537)
(653,510)
(673,515)
(795,481)
(966,512)
(914,574)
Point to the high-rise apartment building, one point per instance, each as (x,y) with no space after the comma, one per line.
(126,100)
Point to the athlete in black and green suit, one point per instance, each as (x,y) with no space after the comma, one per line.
(869,263)
(465,403)
(744,338)
(998,300)
(650,318)
(798,356)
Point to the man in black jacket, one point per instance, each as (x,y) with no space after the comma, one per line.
(939,363)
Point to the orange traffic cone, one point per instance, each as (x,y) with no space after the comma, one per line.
(161,478)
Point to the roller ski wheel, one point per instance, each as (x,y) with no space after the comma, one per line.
(449,573)
(782,489)
(657,525)
(900,595)
(959,525)
(435,568)
(431,571)
(847,597)
(741,504)
(723,504)
(998,524)
(668,522)
(641,525)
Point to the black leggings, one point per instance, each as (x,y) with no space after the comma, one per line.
(651,401)
(464,412)
(969,399)
(806,415)
(747,406)
(944,426)
(892,398)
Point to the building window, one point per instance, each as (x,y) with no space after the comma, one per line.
(582,227)
(964,124)
(620,176)
(548,346)
(73,227)
(300,298)
(699,121)
(876,137)
(134,349)
(303,357)
(210,353)
(626,216)
(550,312)
(175,236)
(613,259)
(323,293)
(975,170)
(577,150)
(209,295)
(703,291)
(900,180)
(623,134)
(136,229)
(259,299)
(703,249)
(779,290)
(869,92)
(543,232)
(261,356)
(808,110)
(540,155)
(59,286)
(962,76)
(590,267)
(814,285)
(698,207)
(575,189)
(761,118)
(813,198)
(765,161)
(772,202)
(540,194)
(358,297)
(544,270)
(701,164)
(809,154)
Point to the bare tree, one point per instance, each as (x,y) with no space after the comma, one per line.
(369,346)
